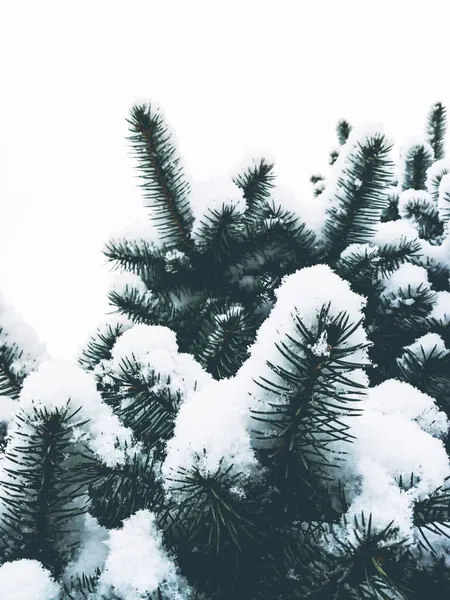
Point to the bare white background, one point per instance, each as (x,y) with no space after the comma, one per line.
(233,78)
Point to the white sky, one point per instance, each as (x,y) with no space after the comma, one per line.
(234,78)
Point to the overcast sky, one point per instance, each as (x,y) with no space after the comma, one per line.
(234,78)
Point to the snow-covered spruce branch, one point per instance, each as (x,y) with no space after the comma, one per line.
(267,416)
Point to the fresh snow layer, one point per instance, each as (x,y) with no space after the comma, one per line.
(91,553)
(27,580)
(214,425)
(409,197)
(441,309)
(397,433)
(435,173)
(155,349)
(400,399)
(406,280)
(299,296)
(211,195)
(14,331)
(127,281)
(394,233)
(8,408)
(137,564)
(211,428)
(54,384)
(444,198)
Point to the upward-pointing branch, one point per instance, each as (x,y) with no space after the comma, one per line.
(165,188)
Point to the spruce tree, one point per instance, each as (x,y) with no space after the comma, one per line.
(267,415)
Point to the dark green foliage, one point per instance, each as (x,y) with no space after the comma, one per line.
(81,587)
(436,129)
(398,319)
(283,527)
(264,537)
(140,258)
(224,336)
(117,493)
(360,196)
(138,306)
(309,407)
(164,186)
(343,130)
(46,490)
(316,178)
(434,179)
(10,380)
(218,283)
(429,371)
(100,345)
(333,157)
(256,184)
(390,212)
(444,209)
(143,402)
(433,515)
(417,159)
(219,536)
(359,571)
(421,210)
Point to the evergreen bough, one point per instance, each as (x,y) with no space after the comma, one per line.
(267,416)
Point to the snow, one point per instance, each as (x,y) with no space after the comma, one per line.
(8,409)
(309,210)
(300,296)
(212,426)
(54,384)
(428,343)
(137,564)
(318,187)
(287,199)
(416,451)
(91,553)
(141,339)
(321,347)
(14,331)
(112,322)
(360,251)
(396,434)
(155,349)
(27,580)
(444,198)
(381,497)
(441,308)
(329,198)
(174,258)
(409,197)
(435,254)
(211,195)
(435,173)
(398,398)
(394,233)
(127,281)
(408,278)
